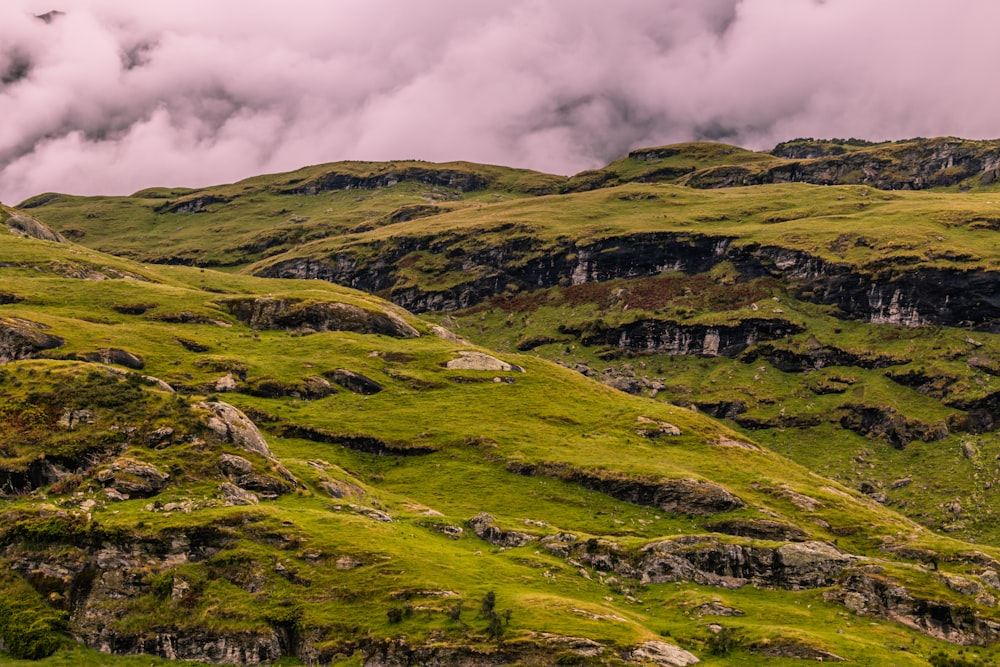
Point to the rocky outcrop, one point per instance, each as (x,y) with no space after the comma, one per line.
(220,648)
(18,479)
(479,361)
(355,382)
(231,425)
(387,175)
(129,478)
(25,225)
(816,356)
(116,356)
(192,204)
(292,314)
(358,442)
(869,592)
(885,422)
(655,428)
(789,648)
(711,562)
(484,526)
(661,654)
(240,472)
(23,339)
(311,387)
(759,529)
(677,496)
(906,165)
(519,259)
(666,337)
(523,262)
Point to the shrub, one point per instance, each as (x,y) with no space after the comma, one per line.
(488,603)
(725,641)
(29,628)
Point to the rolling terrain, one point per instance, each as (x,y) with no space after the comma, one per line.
(700,405)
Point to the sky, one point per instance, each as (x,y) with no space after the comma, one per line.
(109,97)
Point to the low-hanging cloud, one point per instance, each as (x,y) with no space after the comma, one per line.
(110,97)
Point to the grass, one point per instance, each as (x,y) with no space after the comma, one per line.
(329,567)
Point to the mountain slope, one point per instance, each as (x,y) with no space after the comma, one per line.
(848,328)
(400,472)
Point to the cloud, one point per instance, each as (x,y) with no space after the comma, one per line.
(111,97)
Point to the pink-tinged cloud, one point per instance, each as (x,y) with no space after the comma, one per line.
(110,97)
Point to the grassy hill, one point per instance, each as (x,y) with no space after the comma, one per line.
(411,497)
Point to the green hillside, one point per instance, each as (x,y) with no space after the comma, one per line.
(246,466)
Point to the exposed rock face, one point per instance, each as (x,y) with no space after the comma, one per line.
(197,204)
(21,339)
(237,648)
(819,356)
(226,383)
(905,166)
(946,296)
(311,387)
(665,337)
(709,561)
(399,653)
(870,593)
(466,181)
(94,577)
(885,422)
(677,496)
(40,472)
(292,314)
(25,225)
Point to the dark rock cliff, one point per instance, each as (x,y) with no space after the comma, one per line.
(927,295)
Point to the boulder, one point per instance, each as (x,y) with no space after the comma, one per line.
(234,495)
(483,526)
(132,478)
(230,465)
(23,339)
(116,356)
(355,382)
(654,428)
(225,383)
(661,654)
(71,418)
(231,425)
(479,361)
(25,225)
